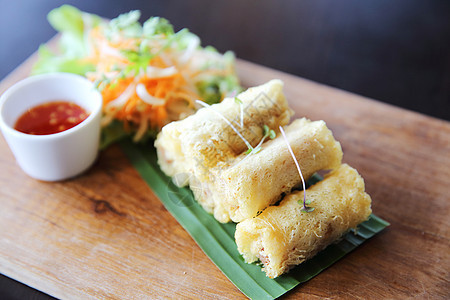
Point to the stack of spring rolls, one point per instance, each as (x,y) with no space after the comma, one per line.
(239,174)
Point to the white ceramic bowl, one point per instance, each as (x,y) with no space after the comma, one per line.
(56,156)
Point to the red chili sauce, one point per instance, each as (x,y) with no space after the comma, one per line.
(51,117)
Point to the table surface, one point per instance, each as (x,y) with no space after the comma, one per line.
(106,235)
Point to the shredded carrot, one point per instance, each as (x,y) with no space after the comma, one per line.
(165,83)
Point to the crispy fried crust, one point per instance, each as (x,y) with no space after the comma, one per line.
(283,236)
(204,140)
(193,150)
(256,181)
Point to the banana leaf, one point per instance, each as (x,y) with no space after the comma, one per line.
(217,239)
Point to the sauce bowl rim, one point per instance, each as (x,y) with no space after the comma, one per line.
(4,98)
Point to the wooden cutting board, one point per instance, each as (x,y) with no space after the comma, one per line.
(106,235)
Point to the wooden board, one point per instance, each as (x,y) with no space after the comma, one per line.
(105,234)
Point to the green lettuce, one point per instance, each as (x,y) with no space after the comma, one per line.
(73,46)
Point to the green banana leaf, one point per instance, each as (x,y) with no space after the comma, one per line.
(217,239)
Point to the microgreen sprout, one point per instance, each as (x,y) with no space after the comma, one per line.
(305,208)
(251,150)
(139,60)
(227,121)
(241,105)
(268,133)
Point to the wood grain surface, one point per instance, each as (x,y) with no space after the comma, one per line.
(105,235)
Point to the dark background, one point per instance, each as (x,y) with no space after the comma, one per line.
(395,51)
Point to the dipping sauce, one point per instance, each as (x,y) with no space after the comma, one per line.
(50,118)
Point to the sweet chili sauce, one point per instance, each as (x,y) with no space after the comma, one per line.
(51,117)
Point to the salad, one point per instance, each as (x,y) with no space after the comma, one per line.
(149,75)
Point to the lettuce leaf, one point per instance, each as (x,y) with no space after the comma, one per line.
(50,62)
(73,47)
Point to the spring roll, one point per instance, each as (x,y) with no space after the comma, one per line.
(253,182)
(205,140)
(283,236)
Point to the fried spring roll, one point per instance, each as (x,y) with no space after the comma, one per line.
(255,181)
(205,140)
(283,236)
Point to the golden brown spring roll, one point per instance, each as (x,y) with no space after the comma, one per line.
(283,236)
(253,182)
(204,140)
